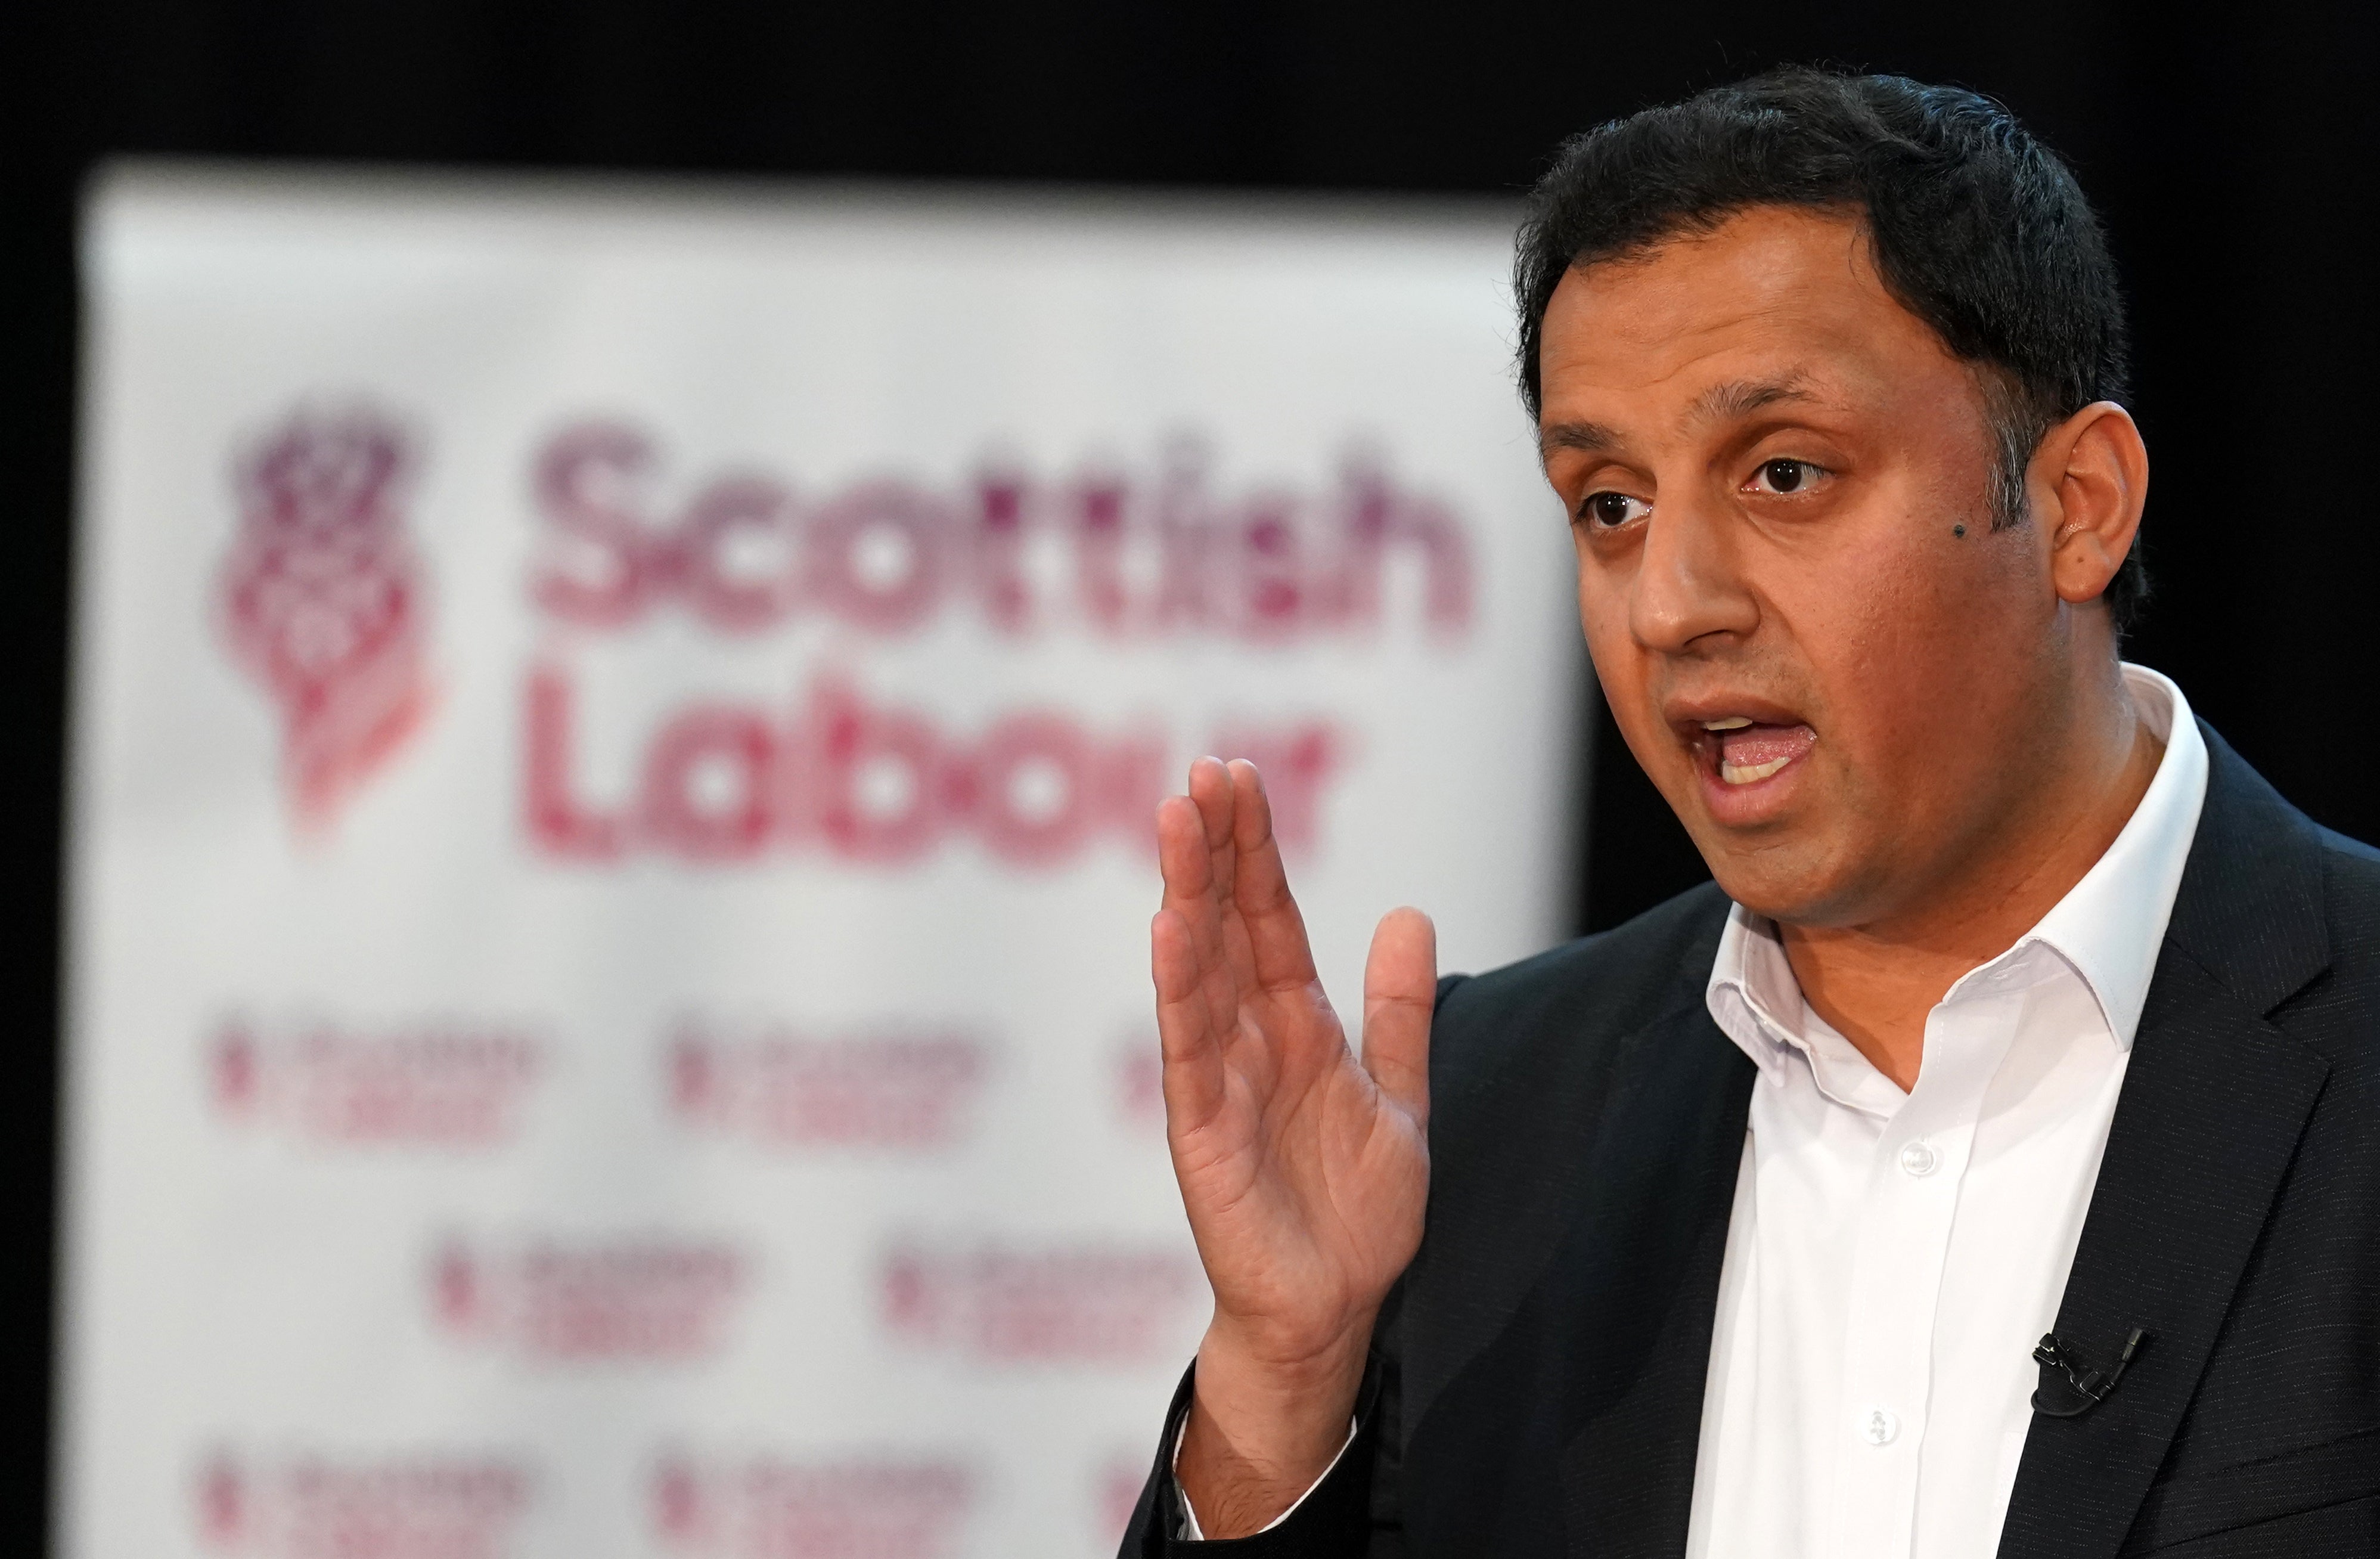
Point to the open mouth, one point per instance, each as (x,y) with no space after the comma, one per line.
(1745,751)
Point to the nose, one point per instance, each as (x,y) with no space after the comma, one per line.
(1689,585)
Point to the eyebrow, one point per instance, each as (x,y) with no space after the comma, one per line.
(1721,402)
(1727,403)
(1592,438)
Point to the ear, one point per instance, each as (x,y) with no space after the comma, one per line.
(2089,481)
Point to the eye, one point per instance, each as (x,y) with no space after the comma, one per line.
(1784,476)
(1610,510)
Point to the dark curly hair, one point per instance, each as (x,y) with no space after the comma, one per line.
(1976,227)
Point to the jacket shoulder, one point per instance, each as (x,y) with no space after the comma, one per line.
(2351,871)
(1562,1011)
(2336,1011)
(2354,865)
(2287,914)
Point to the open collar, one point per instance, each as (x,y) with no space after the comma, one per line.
(2107,927)
(2111,925)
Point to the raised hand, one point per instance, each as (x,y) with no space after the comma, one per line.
(1305,1172)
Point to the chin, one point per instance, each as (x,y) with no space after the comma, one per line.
(1798,883)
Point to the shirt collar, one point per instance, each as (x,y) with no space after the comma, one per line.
(2108,927)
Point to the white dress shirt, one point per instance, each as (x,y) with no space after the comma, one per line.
(1892,1258)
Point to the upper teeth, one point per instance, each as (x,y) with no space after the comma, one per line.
(1732,723)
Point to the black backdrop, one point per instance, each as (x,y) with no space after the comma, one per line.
(2231,153)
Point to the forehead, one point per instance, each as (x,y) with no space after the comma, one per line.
(1772,295)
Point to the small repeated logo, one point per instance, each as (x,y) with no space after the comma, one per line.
(438,1085)
(1098,1303)
(427,1505)
(850,1508)
(325,600)
(895,1088)
(645,1297)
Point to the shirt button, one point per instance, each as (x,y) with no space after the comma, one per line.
(1878,1426)
(1916,1158)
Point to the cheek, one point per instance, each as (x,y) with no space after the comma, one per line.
(1888,638)
(1627,673)
(1603,617)
(1910,644)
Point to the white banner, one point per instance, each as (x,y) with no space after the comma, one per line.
(617,733)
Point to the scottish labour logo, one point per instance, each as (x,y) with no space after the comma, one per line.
(325,600)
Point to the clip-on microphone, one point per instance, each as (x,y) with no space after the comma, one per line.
(2070,1387)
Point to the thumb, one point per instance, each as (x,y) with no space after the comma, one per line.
(1400,989)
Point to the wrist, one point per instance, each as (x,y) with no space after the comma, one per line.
(1265,1424)
(1282,1373)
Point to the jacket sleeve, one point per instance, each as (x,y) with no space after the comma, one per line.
(1352,1513)
(1357,1511)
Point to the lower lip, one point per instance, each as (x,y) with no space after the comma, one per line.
(1753,801)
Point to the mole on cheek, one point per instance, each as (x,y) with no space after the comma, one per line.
(1958,530)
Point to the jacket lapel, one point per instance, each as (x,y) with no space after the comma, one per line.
(1637,1383)
(2214,1102)
(1554,1380)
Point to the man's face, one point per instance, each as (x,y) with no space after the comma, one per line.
(1805,625)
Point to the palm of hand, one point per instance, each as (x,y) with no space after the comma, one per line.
(1304,1172)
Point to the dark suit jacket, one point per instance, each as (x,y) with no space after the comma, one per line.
(1535,1387)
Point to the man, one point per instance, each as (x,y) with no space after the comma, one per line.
(1990,1161)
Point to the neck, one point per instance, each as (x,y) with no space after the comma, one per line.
(1875,982)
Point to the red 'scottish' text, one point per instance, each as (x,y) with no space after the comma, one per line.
(1119,555)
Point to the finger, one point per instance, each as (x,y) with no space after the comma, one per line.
(1182,858)
(1193,1076)
(1192,892)
(1210,787)
(1400,990)
(1276,940)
